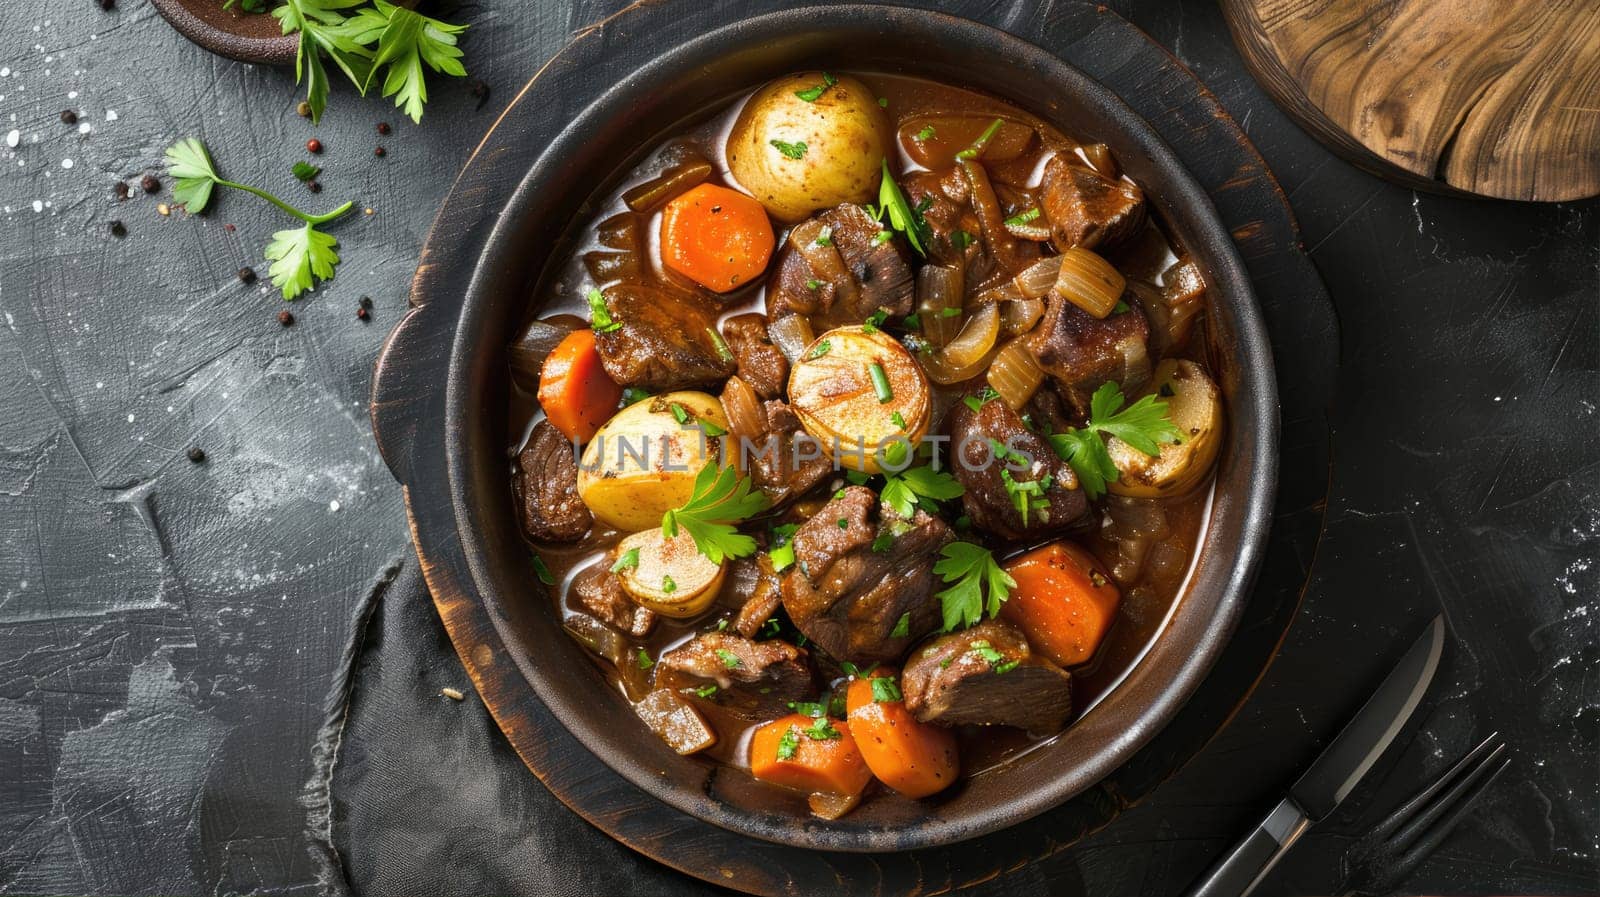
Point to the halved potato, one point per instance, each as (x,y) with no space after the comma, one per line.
(672,577)
(839,399)
(809,141)
(1195,405)
(643,462)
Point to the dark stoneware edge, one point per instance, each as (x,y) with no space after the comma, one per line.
(254,38)
(1111,732)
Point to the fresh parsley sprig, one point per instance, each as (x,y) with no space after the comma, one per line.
(977,584)
(902,216)
(720,499)
(380,38)
(916,486)
(1145,425)
(300,256)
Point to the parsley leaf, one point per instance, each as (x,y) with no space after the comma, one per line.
(301,256)
(971,572)
(925,133)
(822,730)
(814,93)
(305,171)
(720,498)
(1145,426)
(902,627)
(902,217)
(628,560)
(542,571)
(796,150)
(983,649)
(190,164)
(729,659)
(885,690)
(705,691)
(914,486)
(788,743)
(782,551)
(600,319)
(808,708)
(644,660)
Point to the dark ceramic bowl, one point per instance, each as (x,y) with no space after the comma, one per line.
(247,37)
(448,446)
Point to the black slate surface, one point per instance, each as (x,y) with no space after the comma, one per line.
(168,631)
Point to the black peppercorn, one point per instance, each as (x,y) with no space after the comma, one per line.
(363,314)
(314,186)
(108,4)
(313,145)
(69,117)
(285,318)
(383,128)
(364,302)
(150,183)
(120,191)
(247,275)
(117,230)
(196,454)
(380,152)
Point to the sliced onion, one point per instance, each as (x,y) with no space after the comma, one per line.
(742,407)
(1038,278)
(792,334)
(940,287)
(991,220)
(606,266)
(825,261)
(1037,233)
(1182,282)
(621,231)
(668,185)
(536,342)
(832,806)
(1017,316)
(1090,282)
(966,355)
(1015,374)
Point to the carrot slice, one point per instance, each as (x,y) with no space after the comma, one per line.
(576,393)
(716,237)
(914,758)
(1064,601)
(783,753)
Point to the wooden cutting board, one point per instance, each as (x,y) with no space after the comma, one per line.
(1496,98)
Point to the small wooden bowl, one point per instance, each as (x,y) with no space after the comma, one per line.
(254,37)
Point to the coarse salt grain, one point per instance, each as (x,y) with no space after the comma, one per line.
(13,138)
(333,506)
(66,163)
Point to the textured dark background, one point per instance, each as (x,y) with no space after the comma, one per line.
(168,631)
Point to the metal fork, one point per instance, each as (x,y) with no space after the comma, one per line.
(1386,856)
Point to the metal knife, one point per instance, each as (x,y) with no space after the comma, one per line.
(1330,778)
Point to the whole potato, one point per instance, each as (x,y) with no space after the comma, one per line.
(797,156)
(643,462)
(1194,404)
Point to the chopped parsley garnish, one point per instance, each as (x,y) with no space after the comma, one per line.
(824,236)
(912,321)
(883,102)
(782,552)
(949,312)
(788,743)
(720,344)
(1144,425)
(680,413)
(1027,496)
(634,394)
(822,730)
(813,284)
(1022,218)
(1120,308)
(722,625)
(305,171)
(925,133)
(808,708)
(915,486)
(705,691)
(628,560)
(882,542)
(822,348)
(720,499)
(600,319)
(885,690)
(983,649)
(796,150)
(902,626)
(668,584)
(976,584)
(961,239)
(978,146)
(882,237)
(977,402)
(880,383)
(729,659)
(542,571)
(644,660)
(874,321)
(814,93)
(898,419)
(844,523)
(902,217)
(855,671)
(1008,666)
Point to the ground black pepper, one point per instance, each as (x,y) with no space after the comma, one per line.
(313,145)
(117,230)
(285,318)
(69,117)
(150,183)
(196,454)
(247,275)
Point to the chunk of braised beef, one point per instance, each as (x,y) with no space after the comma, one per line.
(1082,352)
(986,676)
(1030,475)
(879,269)
(785,462)
(862,584)
(1086,208)
(546,486)
(942,197)
(756,680)
(599,592)
(761,363)
(665,341)
(753,588)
